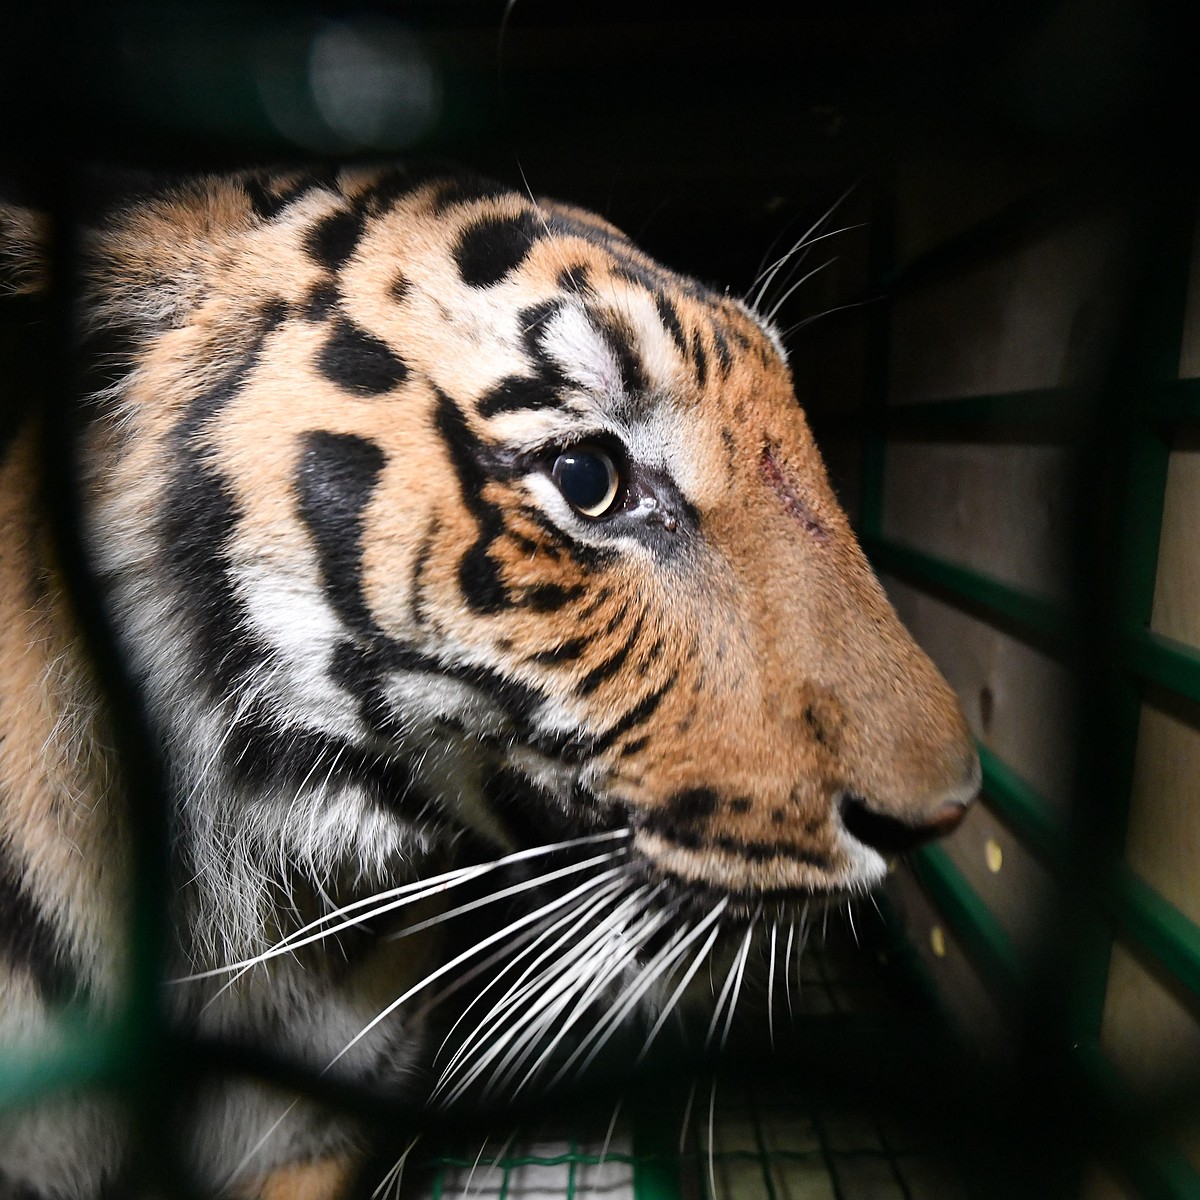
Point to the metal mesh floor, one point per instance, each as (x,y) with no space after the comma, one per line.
(731,1135)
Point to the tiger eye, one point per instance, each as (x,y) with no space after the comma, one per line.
(588,479)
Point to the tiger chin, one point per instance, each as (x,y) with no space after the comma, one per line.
(427,518)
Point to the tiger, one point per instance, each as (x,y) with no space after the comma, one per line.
(427,516)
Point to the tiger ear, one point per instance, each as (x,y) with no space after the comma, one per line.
(24,250)
(150,247)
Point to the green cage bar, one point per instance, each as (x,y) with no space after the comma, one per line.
(1120,899)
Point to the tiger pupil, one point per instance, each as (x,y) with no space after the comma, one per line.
(587,479)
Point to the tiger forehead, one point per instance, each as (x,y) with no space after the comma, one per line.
(497,269)
(533,314)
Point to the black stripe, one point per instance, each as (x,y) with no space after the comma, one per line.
(478,573)
(199,518)
(493,246)
(337,476)
(548,597)
(520,391)
(416,577)
(28,938)
(567,651)
(611,665)
(619,338)
(575,279)
(259,753)
(597,602)
(581,553)
(700,359)
(268,203)
(638,715)
(322,301)
(669,316)
(517,699)
(724,357)
(665,825)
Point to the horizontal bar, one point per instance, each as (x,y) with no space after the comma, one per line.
(1025,812)
(1169,663)
(77,1058)
(1041,415)
(1150,656)
(1010,228)
(974,925)
(1132,905)
(1031,617)
(1155,924)
(1176,403)
(1160,1170)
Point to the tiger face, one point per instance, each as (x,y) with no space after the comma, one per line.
(453,509)
(443,533)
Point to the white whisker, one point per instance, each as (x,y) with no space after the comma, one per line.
(771,986)
(404,893)
(575,920)
(687,1115)
(798,284)
(458,959)
(711,919)
(719,1006)
(609,1132)
(552,1000)
(743,954)
(395,1175)
(787,967)
(799,244)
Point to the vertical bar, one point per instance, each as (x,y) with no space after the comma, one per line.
(760,1141)
(1127,450)
(655,1159)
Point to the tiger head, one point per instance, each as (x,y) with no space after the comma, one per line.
(427,506)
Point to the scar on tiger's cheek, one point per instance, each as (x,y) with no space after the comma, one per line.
(778,481)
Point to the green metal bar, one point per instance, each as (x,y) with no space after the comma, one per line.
(1010,228)
(1157,926)
(1042,414)
(1171,664)
(84,1058)
(1037,414)
(1030,617)
(974,925)
(572,1163)
(1138,910)
(1022,809)
(655,1158)
(1176,402)
(1159,1171)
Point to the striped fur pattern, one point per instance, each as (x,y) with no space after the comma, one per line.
(322,500)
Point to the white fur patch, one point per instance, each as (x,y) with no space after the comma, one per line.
(293,617)
(582,352)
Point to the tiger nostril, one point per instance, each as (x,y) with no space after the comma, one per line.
(890,835)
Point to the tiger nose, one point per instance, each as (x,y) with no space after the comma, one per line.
(892,835)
